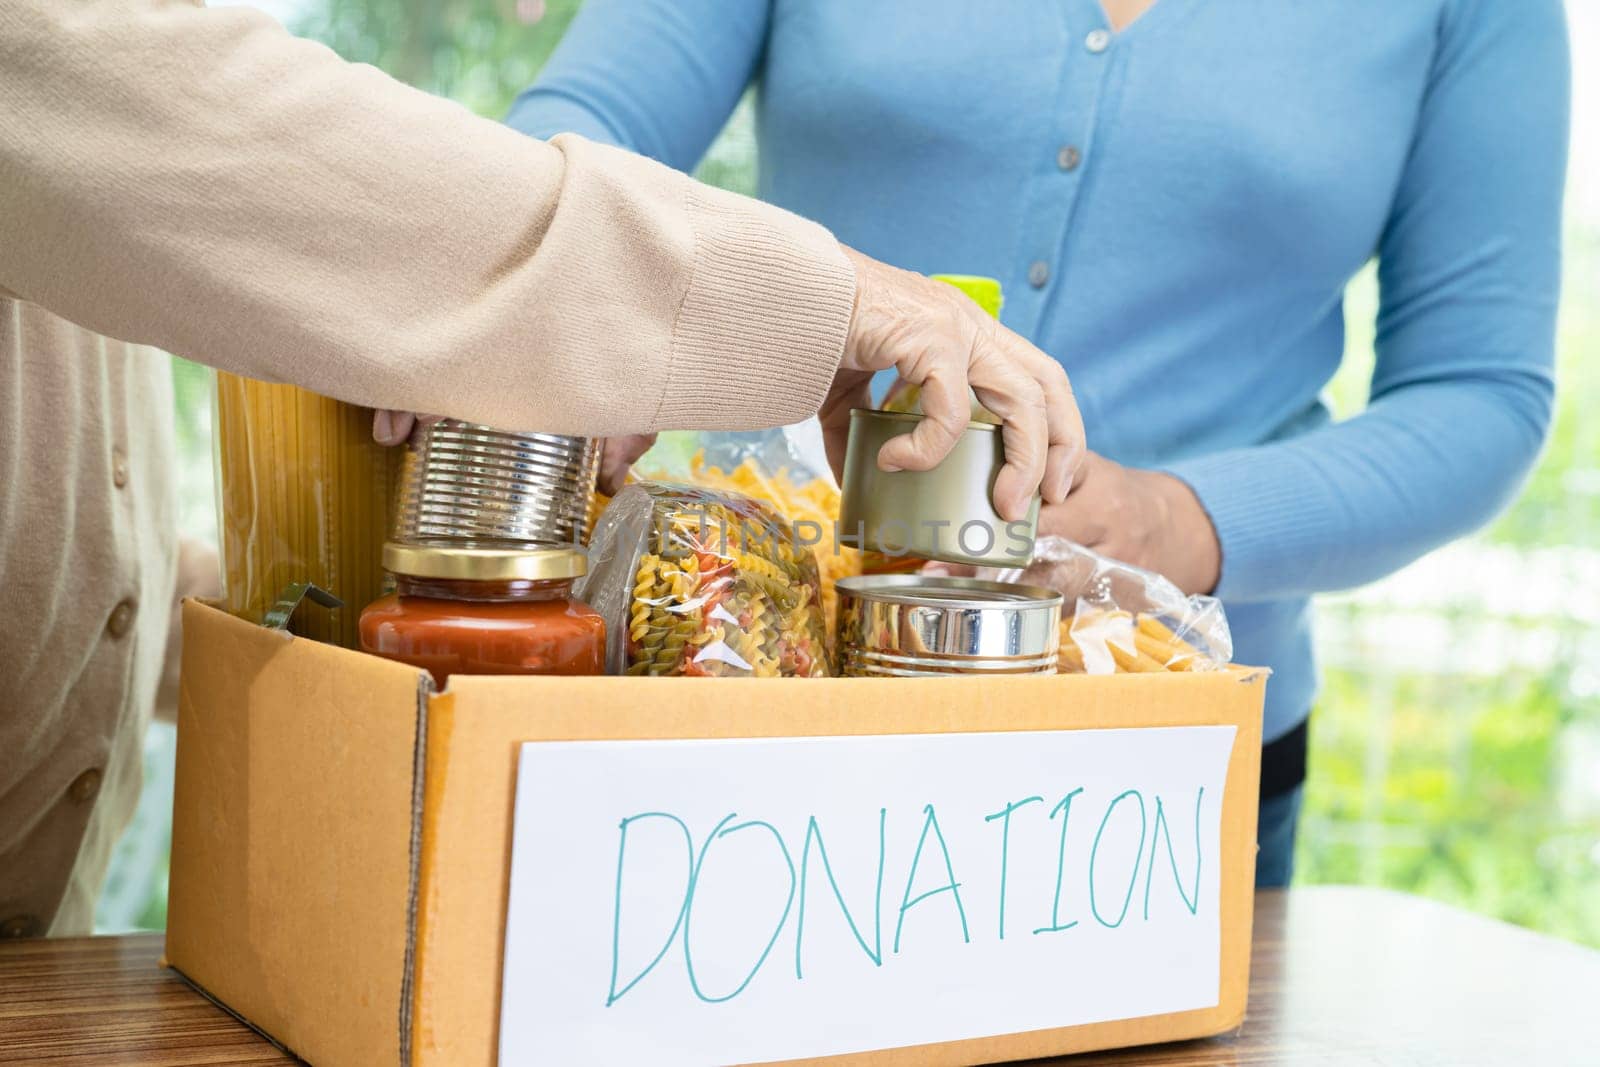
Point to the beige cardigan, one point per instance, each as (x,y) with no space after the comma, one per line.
(199,181)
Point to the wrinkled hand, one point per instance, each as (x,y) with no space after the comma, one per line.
(1146,518)
(937,338)
(617,457)
(394,427)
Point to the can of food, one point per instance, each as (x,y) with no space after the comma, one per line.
(910,626)
(946,513)
(470,486)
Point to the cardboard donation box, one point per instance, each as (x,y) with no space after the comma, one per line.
(637,870)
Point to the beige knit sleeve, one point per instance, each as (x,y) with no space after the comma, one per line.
(202,181)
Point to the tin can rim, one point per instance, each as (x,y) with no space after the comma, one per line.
(918,590)
(912,417)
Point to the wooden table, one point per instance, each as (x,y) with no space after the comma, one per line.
(1339,976)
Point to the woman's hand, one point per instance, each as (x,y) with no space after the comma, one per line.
(935,337)
(1146,518)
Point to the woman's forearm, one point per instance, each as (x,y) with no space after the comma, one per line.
(658,77)
(1469,270)
(202,181)
(1350,503)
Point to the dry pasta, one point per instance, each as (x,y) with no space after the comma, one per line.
(811,504)
(704,584)
(303,496)
(1097,641)
(1121,619)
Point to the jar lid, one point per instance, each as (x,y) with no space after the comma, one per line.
(484,564)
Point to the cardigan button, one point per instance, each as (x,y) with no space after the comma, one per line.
(85,786)
(1097,41)
(1069,157)
(121,619)
(1039,274)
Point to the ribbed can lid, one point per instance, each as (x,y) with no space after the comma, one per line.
(465,485)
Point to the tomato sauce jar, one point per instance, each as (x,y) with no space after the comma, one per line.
(485,611)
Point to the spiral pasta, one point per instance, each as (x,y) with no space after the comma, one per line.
(811,504)
(718,587)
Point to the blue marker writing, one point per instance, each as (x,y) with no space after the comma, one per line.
(688,908)
(951,886)
(1064,809)
(1162,828)
(1134,875)
(1004,815)
(814,833)
(615,994)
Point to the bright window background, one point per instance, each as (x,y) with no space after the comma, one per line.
(1456,748)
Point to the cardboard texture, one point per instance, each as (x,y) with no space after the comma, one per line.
(292,836)
(302,899)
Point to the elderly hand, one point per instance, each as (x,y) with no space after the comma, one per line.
(394,427)
(1146,518)
(934,337)
(937,338)
(617,457)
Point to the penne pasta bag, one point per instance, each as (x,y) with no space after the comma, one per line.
(1121,619)
(699,583)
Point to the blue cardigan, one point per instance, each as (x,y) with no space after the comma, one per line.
(1174,211)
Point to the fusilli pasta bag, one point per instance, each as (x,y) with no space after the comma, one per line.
(699,583)
(768,466)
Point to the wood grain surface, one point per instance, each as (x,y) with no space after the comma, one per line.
(1339,976)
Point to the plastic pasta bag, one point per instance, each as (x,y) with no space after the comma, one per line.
(784,467)
(1122,619)
(704,584)
(303,494)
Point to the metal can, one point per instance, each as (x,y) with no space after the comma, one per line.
(946,513)
(908,626)
(469,486)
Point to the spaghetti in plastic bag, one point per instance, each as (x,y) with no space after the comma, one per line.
(698,583)
(1122,619)
(303,495)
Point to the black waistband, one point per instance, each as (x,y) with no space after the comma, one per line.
(1283,762)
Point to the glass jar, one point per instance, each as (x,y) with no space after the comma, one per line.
(485,611)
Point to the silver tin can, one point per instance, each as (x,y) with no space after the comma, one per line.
(907,625)
(946,513)
(468,486)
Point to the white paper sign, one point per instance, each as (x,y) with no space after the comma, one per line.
(734,901)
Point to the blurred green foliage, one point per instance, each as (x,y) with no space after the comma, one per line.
(479,52)
(1479,791)
(1483,791)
